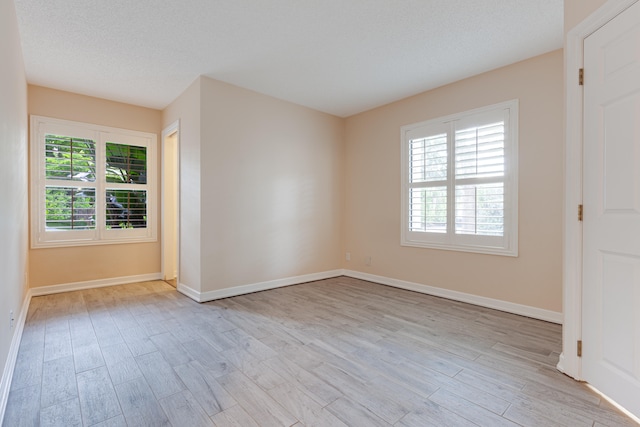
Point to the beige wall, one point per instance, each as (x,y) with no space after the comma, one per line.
(372,214)
(261,187)
(575,11)
(272,188)
(186,109)
(53,266)
(13,182)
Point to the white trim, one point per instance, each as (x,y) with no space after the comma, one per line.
(570,363)
(90,284)
(12,357)
(256,287)
(505,245)
(509,307)
(189,292)
(101,135)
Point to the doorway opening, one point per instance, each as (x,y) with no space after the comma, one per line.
(170,204)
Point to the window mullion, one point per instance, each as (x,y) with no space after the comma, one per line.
(428,184)
(480,181)
(451,150)
(101,186)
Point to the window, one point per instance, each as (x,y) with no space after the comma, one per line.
(91,184)
(460,183)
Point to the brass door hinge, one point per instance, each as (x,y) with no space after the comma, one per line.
(579,348)
(580,209)
(581,77)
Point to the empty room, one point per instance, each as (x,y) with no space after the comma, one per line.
(320,213)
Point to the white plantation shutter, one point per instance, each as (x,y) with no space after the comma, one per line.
(70,188)
(480,151)
(429,158)
(428,209)
(480,209)
(428,173)
(91,184)
(460,181)
(479,175)
(69,158)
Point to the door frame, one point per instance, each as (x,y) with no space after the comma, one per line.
(569,362)
(168,131)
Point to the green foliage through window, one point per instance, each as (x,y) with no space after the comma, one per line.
(69,208)
(126,163)
(74,159)
(126,209)
(69,158)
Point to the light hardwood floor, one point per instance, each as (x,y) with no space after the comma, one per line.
(328,353)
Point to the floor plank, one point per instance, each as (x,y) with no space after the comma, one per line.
(234,417)
(64,414)
(258,404)
(334,352)
(183,409)
(139,405)
(159,375)
(208,392)
(98,398)
(23,407)
(58,381)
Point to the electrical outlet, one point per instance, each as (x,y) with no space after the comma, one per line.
(11,319)
(348,256)
(367,260)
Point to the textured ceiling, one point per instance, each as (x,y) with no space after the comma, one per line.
(337,56)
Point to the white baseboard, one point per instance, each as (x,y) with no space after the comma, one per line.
(190,292)
(12,357)
(560,365)
(509,307)
(255,287)
(89,284)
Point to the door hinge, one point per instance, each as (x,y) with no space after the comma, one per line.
(581,77)
(580,212)
(579,348)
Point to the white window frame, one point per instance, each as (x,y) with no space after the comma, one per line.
(507,244)
(101,235)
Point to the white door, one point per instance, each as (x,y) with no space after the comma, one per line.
(611,251)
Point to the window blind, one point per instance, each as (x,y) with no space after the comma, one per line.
(91,184)
(428,209)
(479,156)
(72,159)
(480,209)
(70,208)
(460,181)
(126,163)
(480,151)
(429,158)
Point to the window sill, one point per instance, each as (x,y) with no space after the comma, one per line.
(77,243)
(486,250)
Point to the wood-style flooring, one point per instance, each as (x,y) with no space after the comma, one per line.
(329,353)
